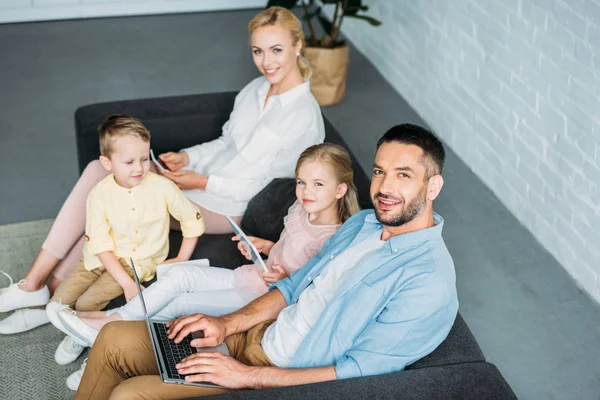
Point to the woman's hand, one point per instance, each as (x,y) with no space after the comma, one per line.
(276,274)
(175,161)
(262,245)
(186,180)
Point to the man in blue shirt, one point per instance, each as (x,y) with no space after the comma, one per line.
(379,296)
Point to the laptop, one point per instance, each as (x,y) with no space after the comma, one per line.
(167,352)
(248,246)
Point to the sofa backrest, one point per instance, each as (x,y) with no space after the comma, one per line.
(459,347)
(174,122)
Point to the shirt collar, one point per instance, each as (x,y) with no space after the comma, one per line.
(286,97)
(406,240)
(116,186)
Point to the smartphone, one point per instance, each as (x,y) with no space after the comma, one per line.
(159,163)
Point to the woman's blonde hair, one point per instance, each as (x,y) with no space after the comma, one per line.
(338,158)
(286,19)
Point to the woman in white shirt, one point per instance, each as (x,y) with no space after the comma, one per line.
(275,117)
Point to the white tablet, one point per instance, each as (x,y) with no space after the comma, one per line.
(254,253)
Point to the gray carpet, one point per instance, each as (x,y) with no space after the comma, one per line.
(31,352)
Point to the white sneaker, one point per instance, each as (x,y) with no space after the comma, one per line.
(23,320)
(74,379)
(52,310)
(76,328)
(13,298)
(67,351)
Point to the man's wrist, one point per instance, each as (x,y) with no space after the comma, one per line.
(254,376)
(229,325)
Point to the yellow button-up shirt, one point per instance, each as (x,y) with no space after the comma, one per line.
(135,222)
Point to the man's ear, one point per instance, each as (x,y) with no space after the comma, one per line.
(341,191)
(434,186)
(105,161)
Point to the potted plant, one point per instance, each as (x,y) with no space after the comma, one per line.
(327,53)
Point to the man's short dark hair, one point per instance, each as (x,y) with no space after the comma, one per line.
(434,154)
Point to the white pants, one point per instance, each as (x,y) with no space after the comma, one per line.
(188,288)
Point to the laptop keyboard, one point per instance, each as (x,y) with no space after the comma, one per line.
(172,352)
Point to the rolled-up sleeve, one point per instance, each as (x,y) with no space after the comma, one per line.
(97,228)
(404,332)
(184,211)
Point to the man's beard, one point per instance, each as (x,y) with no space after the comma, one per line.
(408,212)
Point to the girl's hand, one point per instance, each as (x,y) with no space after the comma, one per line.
(175,161)
(186,180)
(262,245)
(277,274)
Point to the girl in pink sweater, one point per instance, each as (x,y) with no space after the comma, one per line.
(326,197)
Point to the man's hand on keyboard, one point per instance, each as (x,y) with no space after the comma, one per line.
(214,329)
(216,368)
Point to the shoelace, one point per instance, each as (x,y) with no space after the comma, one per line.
(65,307)
(22,281)
(82,369)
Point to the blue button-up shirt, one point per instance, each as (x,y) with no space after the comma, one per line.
(396,307)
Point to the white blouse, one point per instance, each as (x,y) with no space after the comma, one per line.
(259,143)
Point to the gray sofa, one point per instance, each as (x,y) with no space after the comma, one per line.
(457,369)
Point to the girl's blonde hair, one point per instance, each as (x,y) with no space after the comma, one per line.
(338,158)
(286,19)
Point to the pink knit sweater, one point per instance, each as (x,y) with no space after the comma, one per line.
(299,241)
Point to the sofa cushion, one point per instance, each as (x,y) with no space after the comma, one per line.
(219,249)
(265,212)
(472,381)
(459,347)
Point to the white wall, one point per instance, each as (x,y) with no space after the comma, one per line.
(43,10)
(513,86)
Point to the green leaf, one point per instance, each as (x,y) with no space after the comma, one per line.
(308,16)
(282,3)
(370,20)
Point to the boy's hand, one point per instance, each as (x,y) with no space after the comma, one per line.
(131,291)
(276,274)
(262,245)
(175,161)
(171,261)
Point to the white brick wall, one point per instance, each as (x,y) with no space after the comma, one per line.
(43,10)
(513,86)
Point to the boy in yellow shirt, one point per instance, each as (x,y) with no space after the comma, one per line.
(127,216)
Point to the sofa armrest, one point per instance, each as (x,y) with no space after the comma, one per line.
(174,122)
(474,381)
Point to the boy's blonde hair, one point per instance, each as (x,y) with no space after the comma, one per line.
(339,160)
(119,125)
(287,20)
